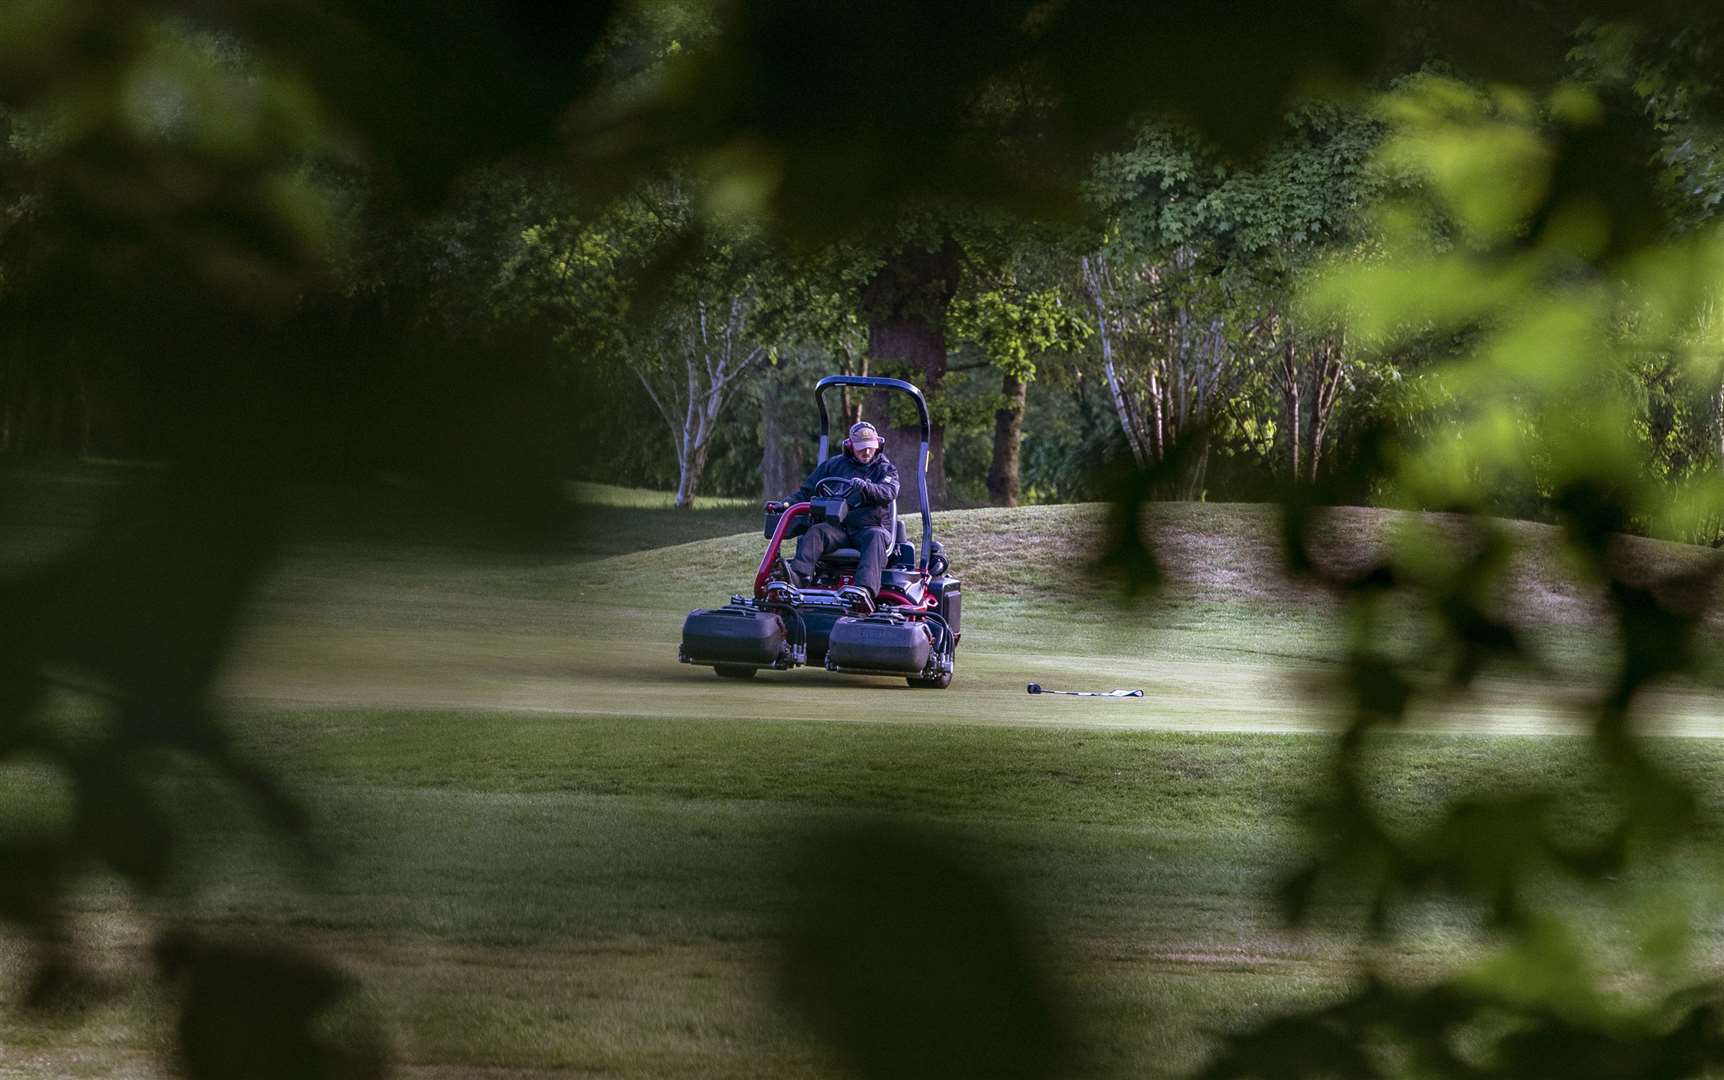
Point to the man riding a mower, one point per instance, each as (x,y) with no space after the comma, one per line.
(873,491)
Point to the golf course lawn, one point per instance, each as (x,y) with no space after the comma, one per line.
(544,846)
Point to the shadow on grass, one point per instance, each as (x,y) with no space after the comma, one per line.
(604,531)
(911,958)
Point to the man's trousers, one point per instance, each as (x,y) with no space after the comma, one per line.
(873,542)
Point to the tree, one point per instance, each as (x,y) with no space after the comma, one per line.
(691,331)
(1310,378)
(818,326)
(783,460)
(905,303)
(691,362)
(1192,290)
(1172,357)
(1015,327)
(1524,283)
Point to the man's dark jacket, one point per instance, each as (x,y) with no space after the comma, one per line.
(873,494)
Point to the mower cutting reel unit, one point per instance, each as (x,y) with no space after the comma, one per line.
(914,629)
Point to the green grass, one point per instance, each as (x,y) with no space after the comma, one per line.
(587,494)
(615,521)
(604,895)
(44,504)
(548,846)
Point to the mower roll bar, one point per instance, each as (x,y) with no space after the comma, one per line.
(876,382)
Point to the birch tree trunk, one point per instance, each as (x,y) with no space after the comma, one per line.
(1325,391)
(1718,423)
(1003,483)
(1128,425)
(1183,361)
(712,363)
(693,469)
(1311,381)
(1290,406)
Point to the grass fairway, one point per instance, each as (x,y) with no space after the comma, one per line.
(549,848)
(537,892)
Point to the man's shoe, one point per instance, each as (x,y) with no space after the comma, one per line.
(788,576)
(857,598)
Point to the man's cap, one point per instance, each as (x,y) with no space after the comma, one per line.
(863,434)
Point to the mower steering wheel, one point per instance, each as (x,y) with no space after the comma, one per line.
(841,492)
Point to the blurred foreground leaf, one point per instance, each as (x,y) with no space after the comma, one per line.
(911,962)
(260,1012)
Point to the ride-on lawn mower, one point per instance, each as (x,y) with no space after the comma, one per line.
(912,631)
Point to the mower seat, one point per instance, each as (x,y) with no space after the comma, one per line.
(903,553)
(841,559)
(847,558)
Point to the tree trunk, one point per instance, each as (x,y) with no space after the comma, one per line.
(83,410)
(712,365)
(1003,487)
(1121,404)
(925,352)
(1196,472)
(689,476)
(1718,421)
(781,460)
(1325,389)
(1290,406)
(8,405)
(906,303)
(850,405)
(1128,424)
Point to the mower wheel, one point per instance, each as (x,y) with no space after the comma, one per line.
(733,671)
(938,682)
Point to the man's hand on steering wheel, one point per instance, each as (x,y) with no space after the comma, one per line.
(852,489)
(837,487)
